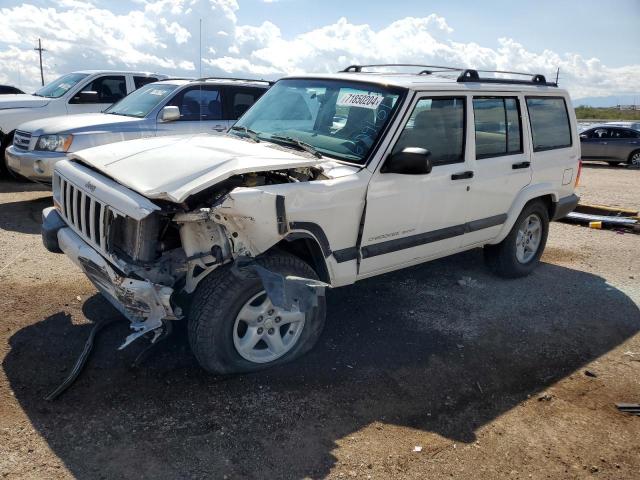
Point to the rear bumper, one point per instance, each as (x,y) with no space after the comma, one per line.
(34,165)
(565,206)
(144,303)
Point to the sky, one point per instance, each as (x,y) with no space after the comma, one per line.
(595,44)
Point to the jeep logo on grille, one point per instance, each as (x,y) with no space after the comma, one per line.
(90,186)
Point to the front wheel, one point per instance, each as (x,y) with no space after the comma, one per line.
(519,253)
(234,327)
(4,168)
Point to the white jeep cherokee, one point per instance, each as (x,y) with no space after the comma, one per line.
(326,180)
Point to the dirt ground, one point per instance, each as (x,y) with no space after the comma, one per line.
(488,379)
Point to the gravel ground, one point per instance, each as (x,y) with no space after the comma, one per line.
(487,379)
(612,186)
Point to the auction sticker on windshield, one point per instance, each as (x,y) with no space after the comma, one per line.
(360,100)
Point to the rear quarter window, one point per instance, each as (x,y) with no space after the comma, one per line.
(550,125)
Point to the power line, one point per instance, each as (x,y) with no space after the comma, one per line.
(39,49)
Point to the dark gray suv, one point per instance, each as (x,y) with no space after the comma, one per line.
(613,145)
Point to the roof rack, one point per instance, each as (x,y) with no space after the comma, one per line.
(466,74)
(358,68)
(470,75)
(235,79)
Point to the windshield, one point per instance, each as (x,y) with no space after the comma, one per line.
(337,118)
(140,102)
(59,87)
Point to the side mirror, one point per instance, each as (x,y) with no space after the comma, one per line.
(583,136)
(169,113)
(410,161)
(88,96)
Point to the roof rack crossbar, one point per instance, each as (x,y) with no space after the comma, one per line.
(235,79)
(471,75)
(358,68)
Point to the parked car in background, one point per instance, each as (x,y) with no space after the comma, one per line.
(166,107)
(9,90)
(78,92)
(633,125)
(611,144)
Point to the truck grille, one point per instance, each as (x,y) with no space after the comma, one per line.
(87,216)
(21,140)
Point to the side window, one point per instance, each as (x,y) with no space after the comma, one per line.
(242,99)
(142,81)
(621,133)
(599,133)
(199,103)
(436,124)
(550,125)
(110,89)
(498,127)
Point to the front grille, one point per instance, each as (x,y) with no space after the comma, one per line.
(21,140)
(87,216)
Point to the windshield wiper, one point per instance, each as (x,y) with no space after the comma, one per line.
(250,133)
(299,143)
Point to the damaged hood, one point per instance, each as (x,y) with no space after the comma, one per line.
(173,168)
(22,100)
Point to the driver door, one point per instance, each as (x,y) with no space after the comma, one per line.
(412,218)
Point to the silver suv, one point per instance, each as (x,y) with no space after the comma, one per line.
(169,107)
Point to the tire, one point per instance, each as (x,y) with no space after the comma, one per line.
(4,169)
(503,258)
(214,323)
(634,159)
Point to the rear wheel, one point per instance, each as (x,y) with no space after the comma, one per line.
(234,327)
(519,253)
(634,159)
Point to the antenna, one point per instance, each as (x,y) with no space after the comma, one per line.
(557,75)
(39,49)
(200,44)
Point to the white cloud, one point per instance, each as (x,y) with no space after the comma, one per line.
(163,36)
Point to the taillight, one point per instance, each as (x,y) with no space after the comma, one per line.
(579,172)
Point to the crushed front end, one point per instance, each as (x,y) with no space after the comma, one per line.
(112,234)
(143,256)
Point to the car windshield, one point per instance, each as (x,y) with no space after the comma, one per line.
(59,87)
(338,118)
(140,102)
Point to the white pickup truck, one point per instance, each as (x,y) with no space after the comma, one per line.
(326,180)
(84,91)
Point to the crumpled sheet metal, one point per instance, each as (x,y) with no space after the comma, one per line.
(288,292)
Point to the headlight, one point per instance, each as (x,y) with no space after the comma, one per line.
(54,143)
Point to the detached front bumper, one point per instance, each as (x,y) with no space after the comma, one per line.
(32,164)
(145,304)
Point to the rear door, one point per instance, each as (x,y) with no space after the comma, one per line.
(502,163)
(200,111)
(622,141)
(108,90)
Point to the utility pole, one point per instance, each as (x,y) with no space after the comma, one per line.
(39,49)
(200,51)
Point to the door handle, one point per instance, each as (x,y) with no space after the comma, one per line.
(219,128)
(462,175)
(516,166)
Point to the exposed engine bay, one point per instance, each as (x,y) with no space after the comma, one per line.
(180,244)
